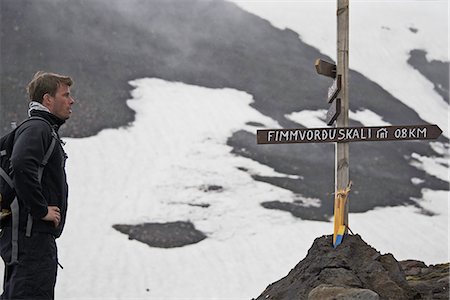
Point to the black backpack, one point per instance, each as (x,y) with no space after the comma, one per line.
(8,200)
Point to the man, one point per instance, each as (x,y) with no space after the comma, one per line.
(42,197)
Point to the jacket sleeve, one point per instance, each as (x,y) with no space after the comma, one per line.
(32,140)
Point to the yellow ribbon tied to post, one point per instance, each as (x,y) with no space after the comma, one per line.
(340,202)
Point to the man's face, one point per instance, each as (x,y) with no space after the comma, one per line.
(61,104)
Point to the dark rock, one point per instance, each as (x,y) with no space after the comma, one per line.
(432,282)
(163,235)
(413,29)
(354,270)
(412,267)
(256,124)
(330,292)
(211,188)
(202,205)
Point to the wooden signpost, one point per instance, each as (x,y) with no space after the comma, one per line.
(341,134)
(341,162)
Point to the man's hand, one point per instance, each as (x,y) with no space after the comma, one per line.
(53,215)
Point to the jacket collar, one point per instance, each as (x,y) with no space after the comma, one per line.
(39,110)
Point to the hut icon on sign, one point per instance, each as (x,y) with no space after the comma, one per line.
(382,133)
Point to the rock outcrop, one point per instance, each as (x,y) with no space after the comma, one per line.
(355,270)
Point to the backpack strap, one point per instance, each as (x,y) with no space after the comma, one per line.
(14,232)
(47,155)
(6,177)
(3,173)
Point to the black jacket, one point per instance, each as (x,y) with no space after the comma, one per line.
(32,140)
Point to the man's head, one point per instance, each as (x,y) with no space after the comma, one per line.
(53,91)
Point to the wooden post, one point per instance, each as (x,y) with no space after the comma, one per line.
(342,149)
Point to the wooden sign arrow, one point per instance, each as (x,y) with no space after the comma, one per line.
(333,112)
(325,68)
(334,90)
(348,134)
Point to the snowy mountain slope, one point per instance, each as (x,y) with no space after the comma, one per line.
(247,246)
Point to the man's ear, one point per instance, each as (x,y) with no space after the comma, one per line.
(47,101)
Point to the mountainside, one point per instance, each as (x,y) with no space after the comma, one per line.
(104,44)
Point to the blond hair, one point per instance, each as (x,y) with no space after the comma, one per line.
(46,83)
